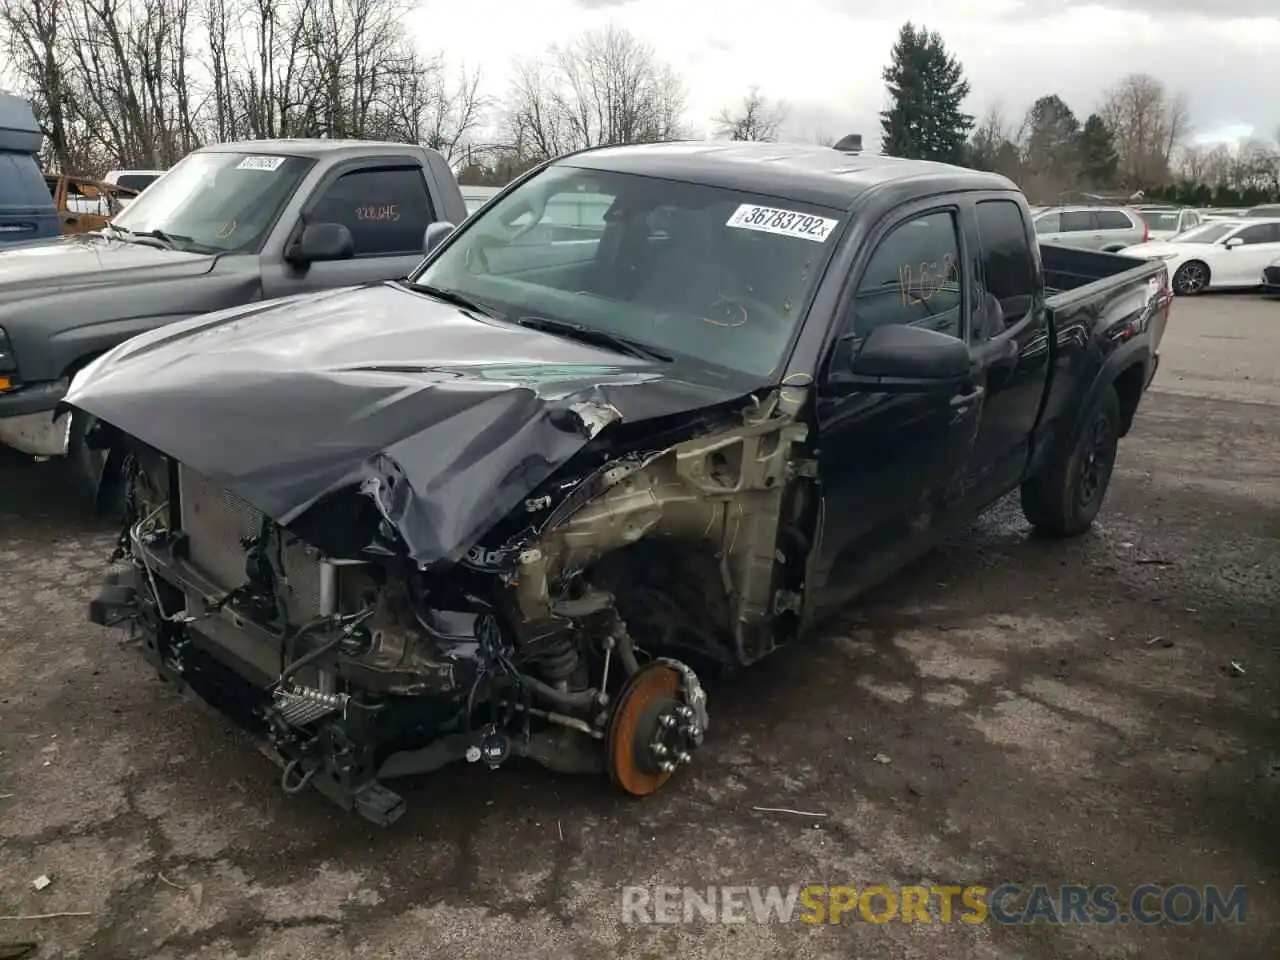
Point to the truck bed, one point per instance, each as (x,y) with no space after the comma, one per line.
(1084,286)
(1072,275)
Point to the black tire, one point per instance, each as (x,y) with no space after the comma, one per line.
(1191,279)
(1063,499)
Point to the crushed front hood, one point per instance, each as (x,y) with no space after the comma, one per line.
(446,419)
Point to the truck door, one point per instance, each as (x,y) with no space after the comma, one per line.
(891,464)
(387,209)
(1009,341)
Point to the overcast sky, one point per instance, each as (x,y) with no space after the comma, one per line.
(823,57)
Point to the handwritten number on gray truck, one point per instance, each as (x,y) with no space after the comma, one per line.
(514,503)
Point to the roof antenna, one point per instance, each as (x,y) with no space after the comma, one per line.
(851,143)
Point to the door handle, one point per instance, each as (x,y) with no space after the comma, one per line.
(967,399)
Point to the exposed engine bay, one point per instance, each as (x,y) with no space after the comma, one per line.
(562,635)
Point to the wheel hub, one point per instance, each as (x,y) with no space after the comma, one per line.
(669,738)
(653,730)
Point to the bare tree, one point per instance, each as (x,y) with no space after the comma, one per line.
(1257,166)
(1218,164)
(1192,163)
(605,87)
(142,82)
(992,145)
(754,119)
(32,30)
(422,104)
(537,127)
(1148,125)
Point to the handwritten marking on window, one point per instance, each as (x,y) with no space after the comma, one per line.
(921,282)
(388,213)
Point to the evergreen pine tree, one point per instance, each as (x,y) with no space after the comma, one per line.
(926,89)
(1098,159)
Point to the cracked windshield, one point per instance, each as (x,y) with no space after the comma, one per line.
(215,202)
(694,272)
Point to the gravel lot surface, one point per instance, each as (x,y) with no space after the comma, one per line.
(1060,713)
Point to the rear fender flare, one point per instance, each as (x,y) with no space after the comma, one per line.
(1115,364)
(1068,429)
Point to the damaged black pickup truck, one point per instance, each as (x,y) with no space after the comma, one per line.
(502,508)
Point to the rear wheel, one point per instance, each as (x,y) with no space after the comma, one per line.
(1191,278)
(1065,497)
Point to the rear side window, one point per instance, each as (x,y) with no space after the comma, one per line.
(1075,221)
(913,278)
(1048,223)
(1008,270)
(1114,220)
(21,185)
(387,211)
(136,181)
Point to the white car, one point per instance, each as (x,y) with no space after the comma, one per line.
(1218,255)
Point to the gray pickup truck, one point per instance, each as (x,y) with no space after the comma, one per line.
(228,226)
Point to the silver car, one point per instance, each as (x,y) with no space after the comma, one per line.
(1166,222)
(1091,227)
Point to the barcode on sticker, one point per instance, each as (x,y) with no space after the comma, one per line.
(786,223)
(260,163)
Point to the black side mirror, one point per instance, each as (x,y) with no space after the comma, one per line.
(323,241)
(435,235)
(907,359)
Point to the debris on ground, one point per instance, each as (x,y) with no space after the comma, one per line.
(795,813)
(165,880)
(21,917)
(41,881)
(1235,668)
(881,758)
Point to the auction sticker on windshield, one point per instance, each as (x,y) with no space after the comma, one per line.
(260,163)
(786,223)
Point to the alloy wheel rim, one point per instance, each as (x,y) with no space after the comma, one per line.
(1096,462)
(1192,279)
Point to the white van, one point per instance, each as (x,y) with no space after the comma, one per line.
(133,180)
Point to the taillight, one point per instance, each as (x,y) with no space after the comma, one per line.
(1146,231)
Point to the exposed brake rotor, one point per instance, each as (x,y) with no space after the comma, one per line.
(653,729)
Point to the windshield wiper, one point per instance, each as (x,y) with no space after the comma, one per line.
(169,240)
(458,299)
(130,237)
(605,338)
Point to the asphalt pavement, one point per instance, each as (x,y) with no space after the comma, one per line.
(1007,710)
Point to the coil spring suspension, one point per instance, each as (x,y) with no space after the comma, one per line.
(556,658)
